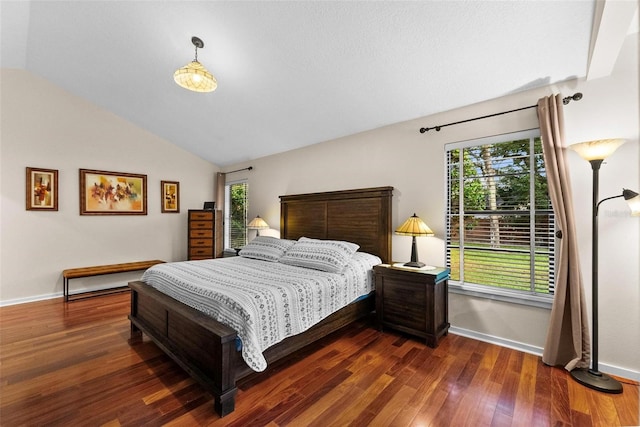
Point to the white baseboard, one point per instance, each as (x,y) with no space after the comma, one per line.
(58,295)
(30,299)
(526,348)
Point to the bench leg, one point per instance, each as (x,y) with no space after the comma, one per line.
(65,288)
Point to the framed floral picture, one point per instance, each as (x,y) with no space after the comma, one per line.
(170,191)
(42,189)
(112,193)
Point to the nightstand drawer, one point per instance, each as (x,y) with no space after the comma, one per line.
(397,291)
(404,304)
(403,313)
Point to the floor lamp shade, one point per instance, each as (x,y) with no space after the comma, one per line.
(633,200)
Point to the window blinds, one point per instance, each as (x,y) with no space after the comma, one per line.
(500,224)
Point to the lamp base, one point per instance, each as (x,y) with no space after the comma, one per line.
(597,380)
(414,264)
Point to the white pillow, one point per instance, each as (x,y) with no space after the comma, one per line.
(266,248)
(325,255)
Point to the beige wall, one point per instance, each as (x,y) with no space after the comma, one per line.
(44,126)
(398,155)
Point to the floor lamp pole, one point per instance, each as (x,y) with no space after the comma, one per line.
(593,378)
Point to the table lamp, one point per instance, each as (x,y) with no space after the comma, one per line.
(414,227)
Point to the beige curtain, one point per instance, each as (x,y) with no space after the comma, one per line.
(567,340)
(220,182)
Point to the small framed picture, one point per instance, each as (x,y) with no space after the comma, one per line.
(42,189)
(112,193)
(170,191)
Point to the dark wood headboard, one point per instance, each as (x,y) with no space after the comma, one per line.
(360,216)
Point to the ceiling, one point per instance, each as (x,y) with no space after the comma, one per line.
(291,74)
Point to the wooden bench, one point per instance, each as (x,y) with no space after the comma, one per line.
(98,270)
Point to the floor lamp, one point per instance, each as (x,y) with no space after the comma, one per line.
(595,152)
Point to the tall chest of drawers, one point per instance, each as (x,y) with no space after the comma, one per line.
(205,234)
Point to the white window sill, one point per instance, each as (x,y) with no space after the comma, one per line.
(514,297)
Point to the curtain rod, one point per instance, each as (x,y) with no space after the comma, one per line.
(575,97)
(238,170)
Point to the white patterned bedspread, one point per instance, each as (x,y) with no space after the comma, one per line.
(264,302)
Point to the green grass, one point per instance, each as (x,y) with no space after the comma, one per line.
(510,270)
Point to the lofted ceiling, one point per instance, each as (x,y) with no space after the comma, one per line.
(295,73)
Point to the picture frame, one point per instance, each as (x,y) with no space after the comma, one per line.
(112,193)
(170,194)
(42,189)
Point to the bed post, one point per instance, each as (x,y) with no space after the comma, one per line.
(225,403)
(135,332)
(203,347)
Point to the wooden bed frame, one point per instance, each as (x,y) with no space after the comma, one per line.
(206,348)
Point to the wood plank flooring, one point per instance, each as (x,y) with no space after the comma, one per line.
(69,364)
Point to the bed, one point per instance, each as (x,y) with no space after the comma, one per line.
(208,349)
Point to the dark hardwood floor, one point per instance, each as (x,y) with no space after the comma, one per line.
(71,364)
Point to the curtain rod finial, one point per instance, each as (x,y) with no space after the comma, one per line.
(423,130)
(575,97)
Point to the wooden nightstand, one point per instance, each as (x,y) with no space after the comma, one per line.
(413,301)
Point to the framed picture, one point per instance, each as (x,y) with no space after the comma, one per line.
(170,191)
(42,189)
(112,193)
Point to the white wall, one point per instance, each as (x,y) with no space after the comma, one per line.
(46,127)
(413,163)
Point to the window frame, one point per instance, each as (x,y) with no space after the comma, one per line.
(227,210)
(488,291)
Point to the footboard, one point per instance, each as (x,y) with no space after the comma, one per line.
(206,349)
(203,347)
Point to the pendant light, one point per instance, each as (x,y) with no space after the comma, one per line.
(194,76)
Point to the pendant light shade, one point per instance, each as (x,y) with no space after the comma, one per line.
(194,76)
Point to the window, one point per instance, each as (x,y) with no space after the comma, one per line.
(500,224)
(235,215)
